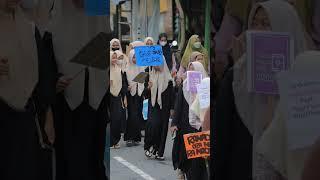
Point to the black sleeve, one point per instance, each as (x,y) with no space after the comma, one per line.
(177,108)
(172,95)
(125,84)
(221,128)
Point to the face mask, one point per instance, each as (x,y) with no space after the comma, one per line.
(115,49)
(29,4)
(163,43)
(119,62)
(197,45)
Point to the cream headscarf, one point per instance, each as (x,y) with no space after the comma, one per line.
(147,39)
(160,81)
(72,29)
(124,65)
(17,35)
(132,72)
(256,111)
(113,41)
(273,143)
(187,95)
(115,77)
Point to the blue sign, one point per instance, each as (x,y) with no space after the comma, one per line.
(97,7)
(149,55)
(145,109)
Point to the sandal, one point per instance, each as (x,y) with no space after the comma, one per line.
(148,153)
(160,158)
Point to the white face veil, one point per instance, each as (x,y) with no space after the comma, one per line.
(72,29)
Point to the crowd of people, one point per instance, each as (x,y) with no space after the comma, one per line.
(165,88)
(249,139)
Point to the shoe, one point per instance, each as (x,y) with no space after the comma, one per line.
(181,175)
(117,146)
(130,143)
(160,158)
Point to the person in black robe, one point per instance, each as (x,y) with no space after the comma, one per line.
(231,149)
(118,91)
(81,107)
(167,53)
(161,105)
(25,119)
(135,103)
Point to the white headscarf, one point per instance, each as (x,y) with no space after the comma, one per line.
(115,77)
(113,41)
(132,72)
(72,29)
(160,81)
(17,35)
(273,143)
(125,62)
(147,39)
(187,95)
(255,110)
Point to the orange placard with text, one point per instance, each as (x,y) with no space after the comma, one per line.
(197,144)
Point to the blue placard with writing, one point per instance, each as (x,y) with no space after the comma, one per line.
(97,7)
(149,55)
(145,109)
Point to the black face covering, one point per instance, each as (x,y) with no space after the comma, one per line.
(115,49)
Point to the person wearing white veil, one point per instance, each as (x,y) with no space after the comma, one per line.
(135,102)
(292,164)
(149,41)
(80,111)
(25,96)
(118,93)
(160,107)
(115,45)
(257,111)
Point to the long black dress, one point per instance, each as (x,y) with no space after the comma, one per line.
(117,112)
(80,138)
(21,156)
(158,121)
(135,117)
(193,168)
(231,148)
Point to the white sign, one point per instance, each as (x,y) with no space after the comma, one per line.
(203,90)
(300,98)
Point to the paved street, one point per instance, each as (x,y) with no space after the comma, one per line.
(130,163)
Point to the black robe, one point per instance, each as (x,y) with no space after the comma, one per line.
(22,156)
(158,121)
(193,168)
(80,138)
(117,112)
(231,149)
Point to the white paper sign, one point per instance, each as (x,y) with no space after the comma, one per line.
(203,90)
(300,98)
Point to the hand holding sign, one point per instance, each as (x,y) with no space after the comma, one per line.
(149,55)
(197,144)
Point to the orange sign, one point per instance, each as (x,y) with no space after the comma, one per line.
(197,144)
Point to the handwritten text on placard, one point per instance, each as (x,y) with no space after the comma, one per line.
(197,144)
(149,55)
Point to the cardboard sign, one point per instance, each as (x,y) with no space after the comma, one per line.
(193,79)
(300,100)
(145,109)
(94,54)
(97,7)
(268,53)
(149,55)
(141,77)
(203,91)
(197,144)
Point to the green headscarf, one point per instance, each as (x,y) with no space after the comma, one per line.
(190,49)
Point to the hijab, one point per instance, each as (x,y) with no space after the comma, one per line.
(187,95)
(160,81)
(125,62)
(133,45)
(167,53)
(273,143)
(19,36)
(133,71)
(72,30)
(113,41)
(148,39)
(251,106)
(115,77)
(194,56)
(189,50)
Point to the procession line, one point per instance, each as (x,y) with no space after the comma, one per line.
(134,168)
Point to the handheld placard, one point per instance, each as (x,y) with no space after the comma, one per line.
(149,55)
